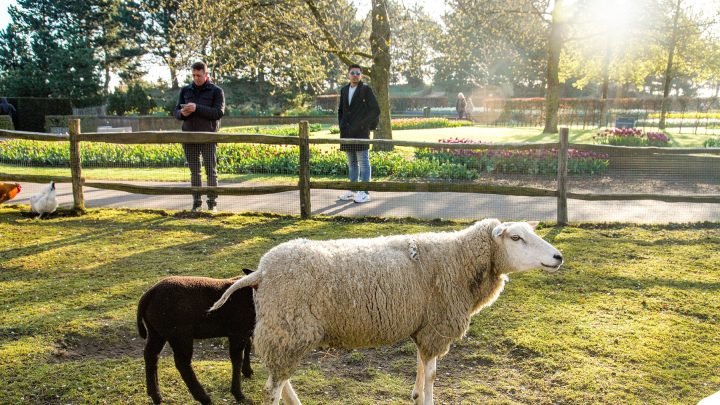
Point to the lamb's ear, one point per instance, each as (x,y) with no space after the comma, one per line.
(533,224)
(499,231)
(248,271)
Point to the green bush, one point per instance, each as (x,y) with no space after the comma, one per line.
(6,122)
(712,143)
(133,101)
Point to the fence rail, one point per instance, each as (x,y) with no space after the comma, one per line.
(304,185)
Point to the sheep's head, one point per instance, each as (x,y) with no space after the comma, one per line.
(523,249)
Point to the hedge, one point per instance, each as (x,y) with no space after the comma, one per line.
(6,122)
(31,111)
(330,102)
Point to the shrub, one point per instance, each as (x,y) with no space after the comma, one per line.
(631,137)
(712,143)
(133,101)
(6,122)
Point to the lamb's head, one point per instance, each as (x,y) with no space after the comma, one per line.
(523,249)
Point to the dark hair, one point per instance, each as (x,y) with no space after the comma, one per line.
(199,66)
(356,66)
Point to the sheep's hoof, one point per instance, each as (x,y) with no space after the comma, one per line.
(239,397)
(247,373)
(156,398)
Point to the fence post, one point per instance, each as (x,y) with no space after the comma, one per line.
(562,214)
(304,182)
(75,165)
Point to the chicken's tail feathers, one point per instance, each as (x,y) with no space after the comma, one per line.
(248,281)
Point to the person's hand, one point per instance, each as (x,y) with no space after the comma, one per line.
(188,109)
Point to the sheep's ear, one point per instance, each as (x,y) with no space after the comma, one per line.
(248,271)
(533,224)
(499,231)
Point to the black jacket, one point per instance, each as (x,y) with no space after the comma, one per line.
(355,119)
(210,107)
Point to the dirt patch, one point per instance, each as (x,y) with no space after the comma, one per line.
(73,346)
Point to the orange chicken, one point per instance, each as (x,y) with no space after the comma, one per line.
(8,191)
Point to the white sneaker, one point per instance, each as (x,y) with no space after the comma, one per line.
(362,197)
(347,196)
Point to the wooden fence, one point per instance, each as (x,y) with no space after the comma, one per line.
(304,185)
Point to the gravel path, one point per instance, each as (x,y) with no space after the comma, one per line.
(422,205)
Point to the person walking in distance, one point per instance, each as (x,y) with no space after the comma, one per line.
(200,106)
(460,105)
(358,113)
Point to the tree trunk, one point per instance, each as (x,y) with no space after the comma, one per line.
(380,72)
(174,78)
(668,69)
(107,80)
(605,84)
(552,94)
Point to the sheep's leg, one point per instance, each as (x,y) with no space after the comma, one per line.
(430,372)
(246,369)
(418,391)
(289,395)
(273,391)
(153,346)
(237,347)
(182,352)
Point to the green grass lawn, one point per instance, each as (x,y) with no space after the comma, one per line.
(631,318)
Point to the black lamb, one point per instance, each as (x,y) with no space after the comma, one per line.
(175,310)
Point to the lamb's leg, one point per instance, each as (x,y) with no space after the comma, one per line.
(182,352)
(153,346)
(289,395)
(273,391)
(237,347)
(246,369)
(430,372)
(418,391)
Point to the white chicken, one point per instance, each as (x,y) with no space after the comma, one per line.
(45,201)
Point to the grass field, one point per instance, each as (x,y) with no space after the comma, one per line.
(631,318)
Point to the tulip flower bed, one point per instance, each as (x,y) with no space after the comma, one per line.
(232,158)
(631,137)
(273,159)
(532,161)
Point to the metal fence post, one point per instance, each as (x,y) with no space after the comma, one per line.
(304,182)
(562,212)
(75,165)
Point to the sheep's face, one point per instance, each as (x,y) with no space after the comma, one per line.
(524,250)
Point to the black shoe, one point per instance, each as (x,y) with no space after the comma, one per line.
(197,206)
(212,206)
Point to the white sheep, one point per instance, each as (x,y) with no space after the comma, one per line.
(356,293)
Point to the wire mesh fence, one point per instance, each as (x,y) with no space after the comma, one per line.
(471,173)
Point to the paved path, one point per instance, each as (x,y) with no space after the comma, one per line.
(418,205)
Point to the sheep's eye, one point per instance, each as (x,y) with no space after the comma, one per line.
(515,238)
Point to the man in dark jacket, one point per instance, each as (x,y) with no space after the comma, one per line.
(358,113)
(200,107)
